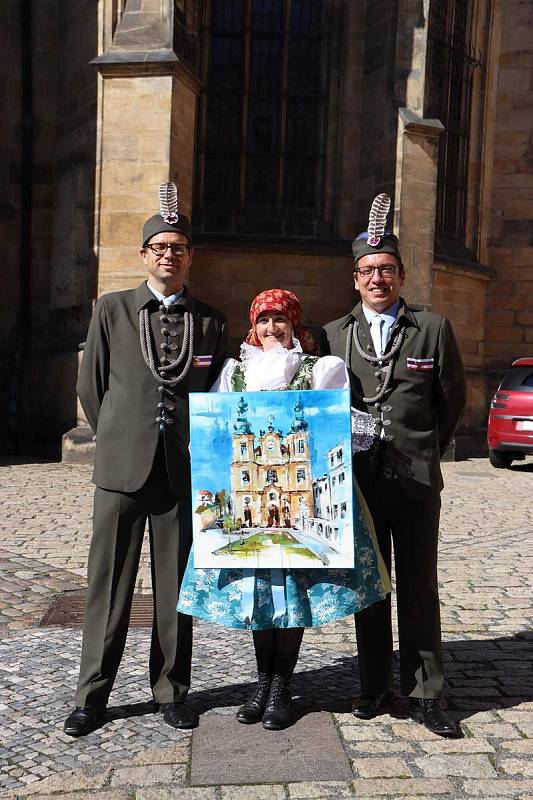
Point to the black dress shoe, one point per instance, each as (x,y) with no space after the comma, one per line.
(432,715)
(82,721)
(366,707)
(178,715)
(253,709)
(278,707)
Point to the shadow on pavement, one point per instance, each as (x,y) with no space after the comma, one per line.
(482,675)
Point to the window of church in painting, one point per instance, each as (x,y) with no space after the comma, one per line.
(455,68)
(343,510)
(263,139)
(187,16)
(300,475)
(245,476)
(301,446)
(341,477)
(243,448)
(272,476)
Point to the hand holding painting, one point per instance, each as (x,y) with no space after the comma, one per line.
(285,502)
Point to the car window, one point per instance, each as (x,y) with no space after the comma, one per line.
(518,379)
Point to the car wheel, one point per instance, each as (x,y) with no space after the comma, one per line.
(499,459)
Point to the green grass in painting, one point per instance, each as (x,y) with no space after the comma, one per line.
(259,542)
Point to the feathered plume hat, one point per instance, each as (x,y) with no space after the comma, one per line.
(168,218)
(377,239)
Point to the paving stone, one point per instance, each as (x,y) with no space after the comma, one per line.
(164,755)
(494,731)
(502,786)
(382,768)
(183,793)
(518,746)
(464,766)
(362,733)
(142,776)
(374,747)
(435,747)
(112,794)
(319,790)
(223,752)
(255,792)
(515,766)
(70,780)
(400,787)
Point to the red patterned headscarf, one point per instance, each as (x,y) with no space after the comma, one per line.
(285,303)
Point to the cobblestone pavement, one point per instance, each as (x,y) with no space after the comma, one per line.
(485,573)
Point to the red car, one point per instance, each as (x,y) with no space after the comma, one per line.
(510,428)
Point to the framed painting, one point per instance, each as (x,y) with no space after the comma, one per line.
(272,479)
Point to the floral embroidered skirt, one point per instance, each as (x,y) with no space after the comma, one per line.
(313,597)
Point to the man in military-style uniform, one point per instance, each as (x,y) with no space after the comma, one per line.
(146,349)
(406,370)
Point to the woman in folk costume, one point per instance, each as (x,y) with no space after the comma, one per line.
(276,355)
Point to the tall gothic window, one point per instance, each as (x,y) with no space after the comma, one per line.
(262,142)
(453,66)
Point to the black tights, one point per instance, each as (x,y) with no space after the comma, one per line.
(276,650)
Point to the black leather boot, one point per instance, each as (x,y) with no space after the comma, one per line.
(278,708)
(252,710)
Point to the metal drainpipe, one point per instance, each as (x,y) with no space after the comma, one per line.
(24,311)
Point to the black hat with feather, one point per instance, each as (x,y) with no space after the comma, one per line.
(376,239)
(168,219)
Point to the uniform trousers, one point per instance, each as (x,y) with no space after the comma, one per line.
(412,526)
(119,525)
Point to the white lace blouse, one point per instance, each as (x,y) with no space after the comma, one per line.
(275,368)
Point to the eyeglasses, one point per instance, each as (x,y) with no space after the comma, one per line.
(386,271)
(160,248)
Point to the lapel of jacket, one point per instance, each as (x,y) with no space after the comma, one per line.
(405,318)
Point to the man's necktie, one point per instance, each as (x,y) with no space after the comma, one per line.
(376,331)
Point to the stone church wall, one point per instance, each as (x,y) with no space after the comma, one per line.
(509,332)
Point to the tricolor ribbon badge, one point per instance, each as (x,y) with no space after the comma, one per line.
(420,364)
(202,361)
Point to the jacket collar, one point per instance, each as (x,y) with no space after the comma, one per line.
(143,296)
(404,312)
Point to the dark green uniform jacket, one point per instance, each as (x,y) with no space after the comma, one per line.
(427,391)
(120,395)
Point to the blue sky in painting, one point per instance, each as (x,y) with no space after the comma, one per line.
(213,416)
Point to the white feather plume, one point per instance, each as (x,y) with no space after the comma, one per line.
(377,219)
(168,202)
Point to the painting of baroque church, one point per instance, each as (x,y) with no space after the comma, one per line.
(271,479)
(289,499)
